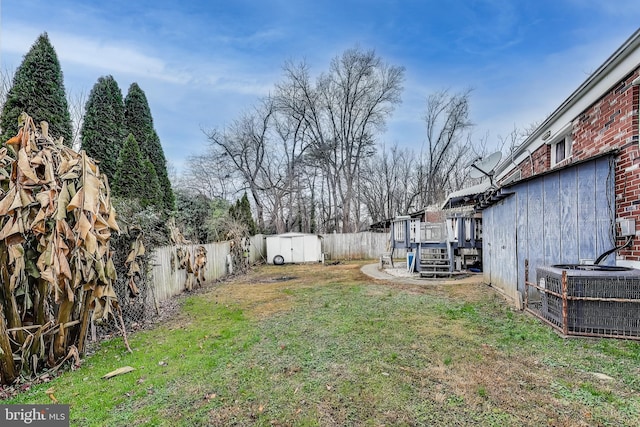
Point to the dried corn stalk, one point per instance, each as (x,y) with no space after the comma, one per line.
(133,263)
(56,268)
(200,264)
(194,266)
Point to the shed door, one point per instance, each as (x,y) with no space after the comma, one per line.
(286,249)
(297,249)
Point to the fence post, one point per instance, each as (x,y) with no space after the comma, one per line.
(565,308)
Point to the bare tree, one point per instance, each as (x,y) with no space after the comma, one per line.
(447,146)
(385,177)
(509,143)
(244,143)
(300,153)
(342,112)
(76,102)
(5,86)
(210,174)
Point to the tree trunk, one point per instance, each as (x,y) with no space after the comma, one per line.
(8,367)
(64,316)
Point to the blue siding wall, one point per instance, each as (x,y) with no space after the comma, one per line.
(561,217)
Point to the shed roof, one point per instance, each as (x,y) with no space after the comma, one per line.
(292,234)
(454,198)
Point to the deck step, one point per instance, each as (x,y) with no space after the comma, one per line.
(436,273)
(426,266)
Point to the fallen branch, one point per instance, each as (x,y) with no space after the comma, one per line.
(119,371)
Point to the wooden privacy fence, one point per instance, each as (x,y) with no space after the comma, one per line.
(366,245)
(169,280)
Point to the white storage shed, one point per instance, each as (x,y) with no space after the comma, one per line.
(294,247)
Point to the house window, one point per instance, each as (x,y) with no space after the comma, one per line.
(560,149)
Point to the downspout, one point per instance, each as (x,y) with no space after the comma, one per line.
(530,160)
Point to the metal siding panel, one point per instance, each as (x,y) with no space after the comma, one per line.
(586,211)
(504,249)
(549,220)
(569,217)
(488,227)
(535,227)
(551,209)
(522,231)
(604,213)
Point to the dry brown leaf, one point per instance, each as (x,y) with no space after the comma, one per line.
(91,187)
(26,198)
(83,226)
(47,275)
(112,220)
(63,202)
(102,250)
(69,292)
(25,166)
(15,252)
(45,260)
(37,224)
(49,392)
(133,288)
(49,175)
(91,243)
(64,264)
(6,229)
(134,268)
(140,248)
(110,269)
(44,198)
(99,267)
(132,256)
(7,201)
(16,203)
(77,201)
(65,230)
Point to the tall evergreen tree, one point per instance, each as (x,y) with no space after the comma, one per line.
(135,177)
(241,211)
(38,90)
(154,190)
(102,132)
(139,122)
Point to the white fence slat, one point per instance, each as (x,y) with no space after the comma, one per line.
(169,281)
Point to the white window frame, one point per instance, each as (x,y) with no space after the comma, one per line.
(567,149)
(563,135)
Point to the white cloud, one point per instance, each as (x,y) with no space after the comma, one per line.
(106,56)
(125,59)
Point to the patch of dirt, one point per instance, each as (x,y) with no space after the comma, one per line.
(278,279)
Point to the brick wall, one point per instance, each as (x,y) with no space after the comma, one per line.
(611,122)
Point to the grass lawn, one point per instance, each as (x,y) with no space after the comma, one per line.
(309,345)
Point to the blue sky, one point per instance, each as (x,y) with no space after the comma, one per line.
(202,63)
